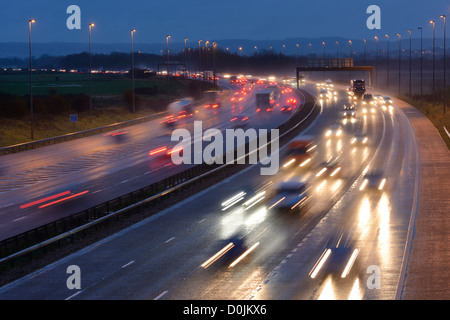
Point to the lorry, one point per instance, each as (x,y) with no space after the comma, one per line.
(266,99)
(177,110)
(358,87)
(212,98)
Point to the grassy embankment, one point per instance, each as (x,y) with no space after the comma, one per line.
(110,104)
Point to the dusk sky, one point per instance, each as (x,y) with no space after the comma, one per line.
(215,19)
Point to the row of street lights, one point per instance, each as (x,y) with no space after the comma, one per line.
(91,25)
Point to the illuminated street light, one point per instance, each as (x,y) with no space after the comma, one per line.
(387,77)
(410,61)
(168,73)
(132,65)
(30,22)
(90,73)
(434,57)
(445,56)
(376,64)
(399,61)
(421,66)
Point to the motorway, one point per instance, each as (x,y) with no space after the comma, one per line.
(164,256)
(86,172)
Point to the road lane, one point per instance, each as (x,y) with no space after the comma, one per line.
(101,165)
(163,255)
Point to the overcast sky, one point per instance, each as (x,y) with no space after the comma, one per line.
(215,19)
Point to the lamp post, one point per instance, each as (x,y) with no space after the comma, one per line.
(337,50)
(410,62)
(434,56)
(206,56)
(376,64)
(351,50)
(90,73)
(284,49)
(30,22)
(185,53)
(399,62)
(387,80)
(324,46)
(364,41)
(445,56)
(168,73)
(421,67)
(132,64)
(199,56)
(214,62)
(298,50)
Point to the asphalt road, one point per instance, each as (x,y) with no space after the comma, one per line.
(92,170)
(162,257)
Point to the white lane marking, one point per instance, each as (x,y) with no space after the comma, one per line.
(128,264)
(448,133)
(201,221)
(161,295)
(169,240)
(75,294)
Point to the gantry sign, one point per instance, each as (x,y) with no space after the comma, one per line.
(334,65)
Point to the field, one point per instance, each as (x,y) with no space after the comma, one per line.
(72,83)
(111,101)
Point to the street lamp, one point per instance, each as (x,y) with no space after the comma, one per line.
(399,61)
(410,62)
(206,55)
(421,67)
(90,73)
(199,56)
(310,46)
(434,56)
(376,64)
(351,51)
(132,64)
(185,53)
(284,48)
(324,46)
(387,80)
(364,40)
(337,50)
(298,50)
(30,22)
(445,56)
(168,73)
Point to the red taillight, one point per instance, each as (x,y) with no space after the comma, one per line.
(156,151)
(175,150)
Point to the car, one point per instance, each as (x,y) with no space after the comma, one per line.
(359,138)
(373,180)
(387,100)
(367,98)
(225,252)
(338,256)
(323,93)
(348,106)
(290,196)
(330,168)
(334,131)
(240,121)
(349,114)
